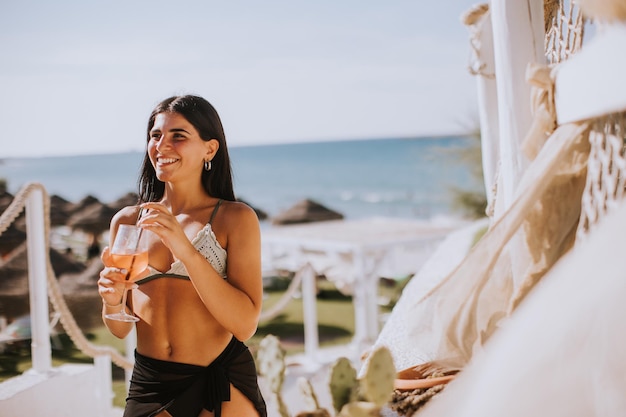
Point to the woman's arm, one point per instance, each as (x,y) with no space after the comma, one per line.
(112,281)
(235,302)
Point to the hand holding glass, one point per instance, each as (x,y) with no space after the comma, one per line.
(129,252)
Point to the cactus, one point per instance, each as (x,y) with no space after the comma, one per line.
(377,383)
(343,383)
(322,412)
(310,399)
(271,361)
(352,397)
(360,409)
(271,364)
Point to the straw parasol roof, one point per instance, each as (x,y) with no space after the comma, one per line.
(5,199)
(94,218)
(306,211)
(76,279)
(60,210)
(11,239)
(15,272)
(128,199)
(84,203)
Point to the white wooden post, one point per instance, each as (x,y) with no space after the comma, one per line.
(518,39)
(104,389)
(38,287)
(360,301)
(371,306)
(309,307)
(483,67)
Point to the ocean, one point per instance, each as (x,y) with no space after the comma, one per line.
(405,178)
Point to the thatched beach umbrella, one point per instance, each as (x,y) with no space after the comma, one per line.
(64,263)
(60,210)
(94,219)
(14,287)
(14,273)
(5,199)
(128,199)
(84,203)
(11,239)
(306,211)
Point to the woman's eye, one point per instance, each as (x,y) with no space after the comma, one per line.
(155,136)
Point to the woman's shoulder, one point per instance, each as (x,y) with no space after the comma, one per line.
(236,215)
(236,209)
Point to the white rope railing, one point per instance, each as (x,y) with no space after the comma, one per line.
(54,291)
(284,300)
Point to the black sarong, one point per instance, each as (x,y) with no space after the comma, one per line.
(184,390)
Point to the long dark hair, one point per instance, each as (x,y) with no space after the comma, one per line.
(218,182)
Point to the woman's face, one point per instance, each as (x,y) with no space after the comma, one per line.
(176,150)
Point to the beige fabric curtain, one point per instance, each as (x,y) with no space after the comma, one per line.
(563,352)
(457,317)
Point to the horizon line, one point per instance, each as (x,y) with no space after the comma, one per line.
(251,145)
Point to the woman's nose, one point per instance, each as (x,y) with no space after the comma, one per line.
(164,143)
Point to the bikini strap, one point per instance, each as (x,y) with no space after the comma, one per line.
(217,206)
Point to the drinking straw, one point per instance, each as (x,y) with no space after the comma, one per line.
(132,262)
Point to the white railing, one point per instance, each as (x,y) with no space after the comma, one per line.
(39,315)
(44,389)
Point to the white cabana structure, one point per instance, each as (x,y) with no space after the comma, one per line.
(353,255)
(555,327)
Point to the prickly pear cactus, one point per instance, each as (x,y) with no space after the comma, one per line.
(322,412)
(376,385)
(360,409)
(271,365)
(310,399)
(271,361)
(343,383)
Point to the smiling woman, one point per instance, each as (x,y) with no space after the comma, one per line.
(193,318)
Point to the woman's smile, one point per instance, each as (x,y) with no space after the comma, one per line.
(161,161)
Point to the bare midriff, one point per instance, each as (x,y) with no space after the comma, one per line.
(174,323)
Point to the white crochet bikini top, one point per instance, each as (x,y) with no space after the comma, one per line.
(206,243)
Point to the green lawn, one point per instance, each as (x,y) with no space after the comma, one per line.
(335,320)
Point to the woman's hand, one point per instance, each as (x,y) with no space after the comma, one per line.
(159,220)
(112,281)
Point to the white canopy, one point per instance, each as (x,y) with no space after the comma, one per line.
(353,254)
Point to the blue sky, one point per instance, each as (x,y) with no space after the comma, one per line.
(80,77)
